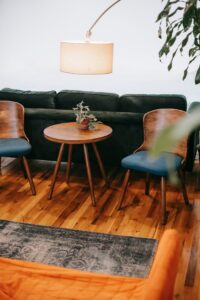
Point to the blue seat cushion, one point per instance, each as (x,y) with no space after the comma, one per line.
(14,147)
(140,161)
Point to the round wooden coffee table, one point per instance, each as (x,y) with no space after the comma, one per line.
(69,133)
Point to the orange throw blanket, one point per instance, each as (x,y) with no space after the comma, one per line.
(22,280)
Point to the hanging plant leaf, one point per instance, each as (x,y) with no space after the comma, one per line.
(164,50)
(173,55)
(162,14)
(169,66)
(197,15)
(174,12)
(193,51)
(186,70)
(177,18)
(185,41)
(185,73)
(197,77)
(188,16)
(196,29)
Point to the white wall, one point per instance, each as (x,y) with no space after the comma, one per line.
(30,32)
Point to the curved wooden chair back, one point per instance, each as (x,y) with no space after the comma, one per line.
(11,120)
(156,120)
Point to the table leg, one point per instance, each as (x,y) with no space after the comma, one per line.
(100,163)
(56,170)
(87,162)
(69,160)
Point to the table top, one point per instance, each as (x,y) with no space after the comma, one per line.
(69,133)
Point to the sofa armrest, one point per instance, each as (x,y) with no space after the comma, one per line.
(21,280)
(160,284)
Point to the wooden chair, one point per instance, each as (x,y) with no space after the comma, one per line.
(13,140)
(153,122)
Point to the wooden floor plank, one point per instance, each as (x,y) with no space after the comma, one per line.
(71,207)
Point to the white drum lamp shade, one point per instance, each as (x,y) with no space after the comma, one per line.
(86,57)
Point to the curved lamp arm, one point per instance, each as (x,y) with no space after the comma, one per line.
(89,31)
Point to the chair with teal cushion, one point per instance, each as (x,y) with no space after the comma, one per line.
(13,140)
(140,161)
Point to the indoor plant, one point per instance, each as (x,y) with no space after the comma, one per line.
(84,118)
(180,20)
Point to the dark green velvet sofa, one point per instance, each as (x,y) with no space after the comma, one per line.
(123,113)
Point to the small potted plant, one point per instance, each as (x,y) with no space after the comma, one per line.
(84,119)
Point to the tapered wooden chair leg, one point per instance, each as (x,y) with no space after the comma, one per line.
(124,188)
(22,167)
(100,163)
(147,184)
(55,173)
(183,187)
(89,174)
(69,161)
(28,173)
(163,200)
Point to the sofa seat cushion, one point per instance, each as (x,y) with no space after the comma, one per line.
(14,147)
(29,98)
(68,99)
(141,103)
(140,161)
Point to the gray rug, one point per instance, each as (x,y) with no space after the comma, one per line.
(83,250)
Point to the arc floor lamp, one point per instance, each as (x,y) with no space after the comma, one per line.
(87,57)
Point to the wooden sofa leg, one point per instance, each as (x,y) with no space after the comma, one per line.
(124,188)
(163,200)
(28,173)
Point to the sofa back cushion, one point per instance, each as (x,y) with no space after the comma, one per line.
(95,100)
(29,99)
(142,103)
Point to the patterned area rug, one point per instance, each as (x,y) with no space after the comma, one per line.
(76,249)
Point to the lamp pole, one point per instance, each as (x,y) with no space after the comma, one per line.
(89,31)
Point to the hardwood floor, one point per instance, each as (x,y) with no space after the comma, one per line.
(70,207)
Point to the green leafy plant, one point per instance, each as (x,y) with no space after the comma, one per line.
(84,118)
(180,21)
